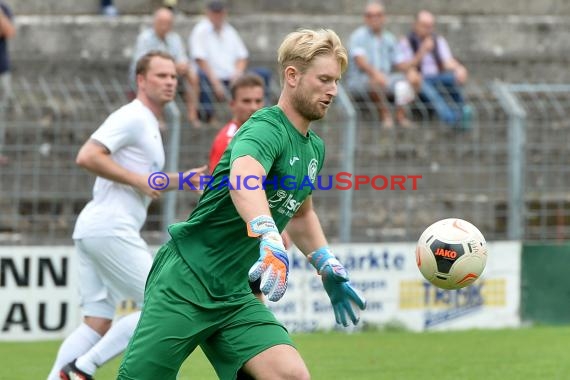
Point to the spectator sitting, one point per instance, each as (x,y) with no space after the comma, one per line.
(7,31)
(221,56)
(161,37)
(373,65)
(442,74)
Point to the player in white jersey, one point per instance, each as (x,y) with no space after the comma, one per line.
(114,260)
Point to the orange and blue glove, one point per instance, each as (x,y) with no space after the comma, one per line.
(273,263)
(344,298)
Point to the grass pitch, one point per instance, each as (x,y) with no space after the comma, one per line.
(528,353)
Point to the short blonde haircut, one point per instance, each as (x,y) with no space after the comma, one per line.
(300,48)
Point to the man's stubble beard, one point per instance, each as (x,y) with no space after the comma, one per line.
(303,105)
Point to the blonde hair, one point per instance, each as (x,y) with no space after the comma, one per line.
(300,48)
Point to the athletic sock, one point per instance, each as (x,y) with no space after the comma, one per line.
(112,344)
(76,344)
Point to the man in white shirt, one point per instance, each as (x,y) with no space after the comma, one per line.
(220,54)
(114,260)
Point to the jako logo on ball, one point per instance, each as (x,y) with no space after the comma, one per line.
(451,253)
(445,253)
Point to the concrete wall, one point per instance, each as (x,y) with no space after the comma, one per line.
(513,47)
(352,7)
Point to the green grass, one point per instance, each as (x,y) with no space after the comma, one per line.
(529,353)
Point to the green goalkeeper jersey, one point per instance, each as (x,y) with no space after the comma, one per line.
(214,241)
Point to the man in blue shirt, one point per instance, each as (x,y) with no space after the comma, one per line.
(373,71)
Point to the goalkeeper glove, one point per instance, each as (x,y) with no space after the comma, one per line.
(344,298)
(273,263)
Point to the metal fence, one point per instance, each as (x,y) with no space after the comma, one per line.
(539,142)
(463,171)
(506,173)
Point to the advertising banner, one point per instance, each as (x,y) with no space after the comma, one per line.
(398,295)
(39,297)
(38,293)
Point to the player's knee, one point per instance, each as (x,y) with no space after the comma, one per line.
(302,374)
(100,325)
(297,372)
(282,371)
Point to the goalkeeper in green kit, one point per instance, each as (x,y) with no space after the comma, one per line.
(197,292)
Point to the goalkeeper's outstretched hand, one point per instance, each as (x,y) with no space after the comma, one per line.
(344,298)
(273,263)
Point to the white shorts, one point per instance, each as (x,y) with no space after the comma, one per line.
(111,270)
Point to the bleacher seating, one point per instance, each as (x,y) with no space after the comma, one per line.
(70,70)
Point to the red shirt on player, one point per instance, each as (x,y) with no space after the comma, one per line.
(221,142)
(247,96)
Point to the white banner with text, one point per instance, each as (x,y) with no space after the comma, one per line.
(39,298)
(38,293)
(397,294)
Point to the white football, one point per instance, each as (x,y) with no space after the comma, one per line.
(451,253)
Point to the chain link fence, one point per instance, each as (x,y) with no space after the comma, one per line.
(459,172)
(540,138)
(469,173)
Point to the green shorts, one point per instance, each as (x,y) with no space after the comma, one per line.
(172,326)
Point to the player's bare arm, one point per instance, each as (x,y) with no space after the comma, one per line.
(305,228)
(307,234)
(194,179)
(96,158)
(252,205)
